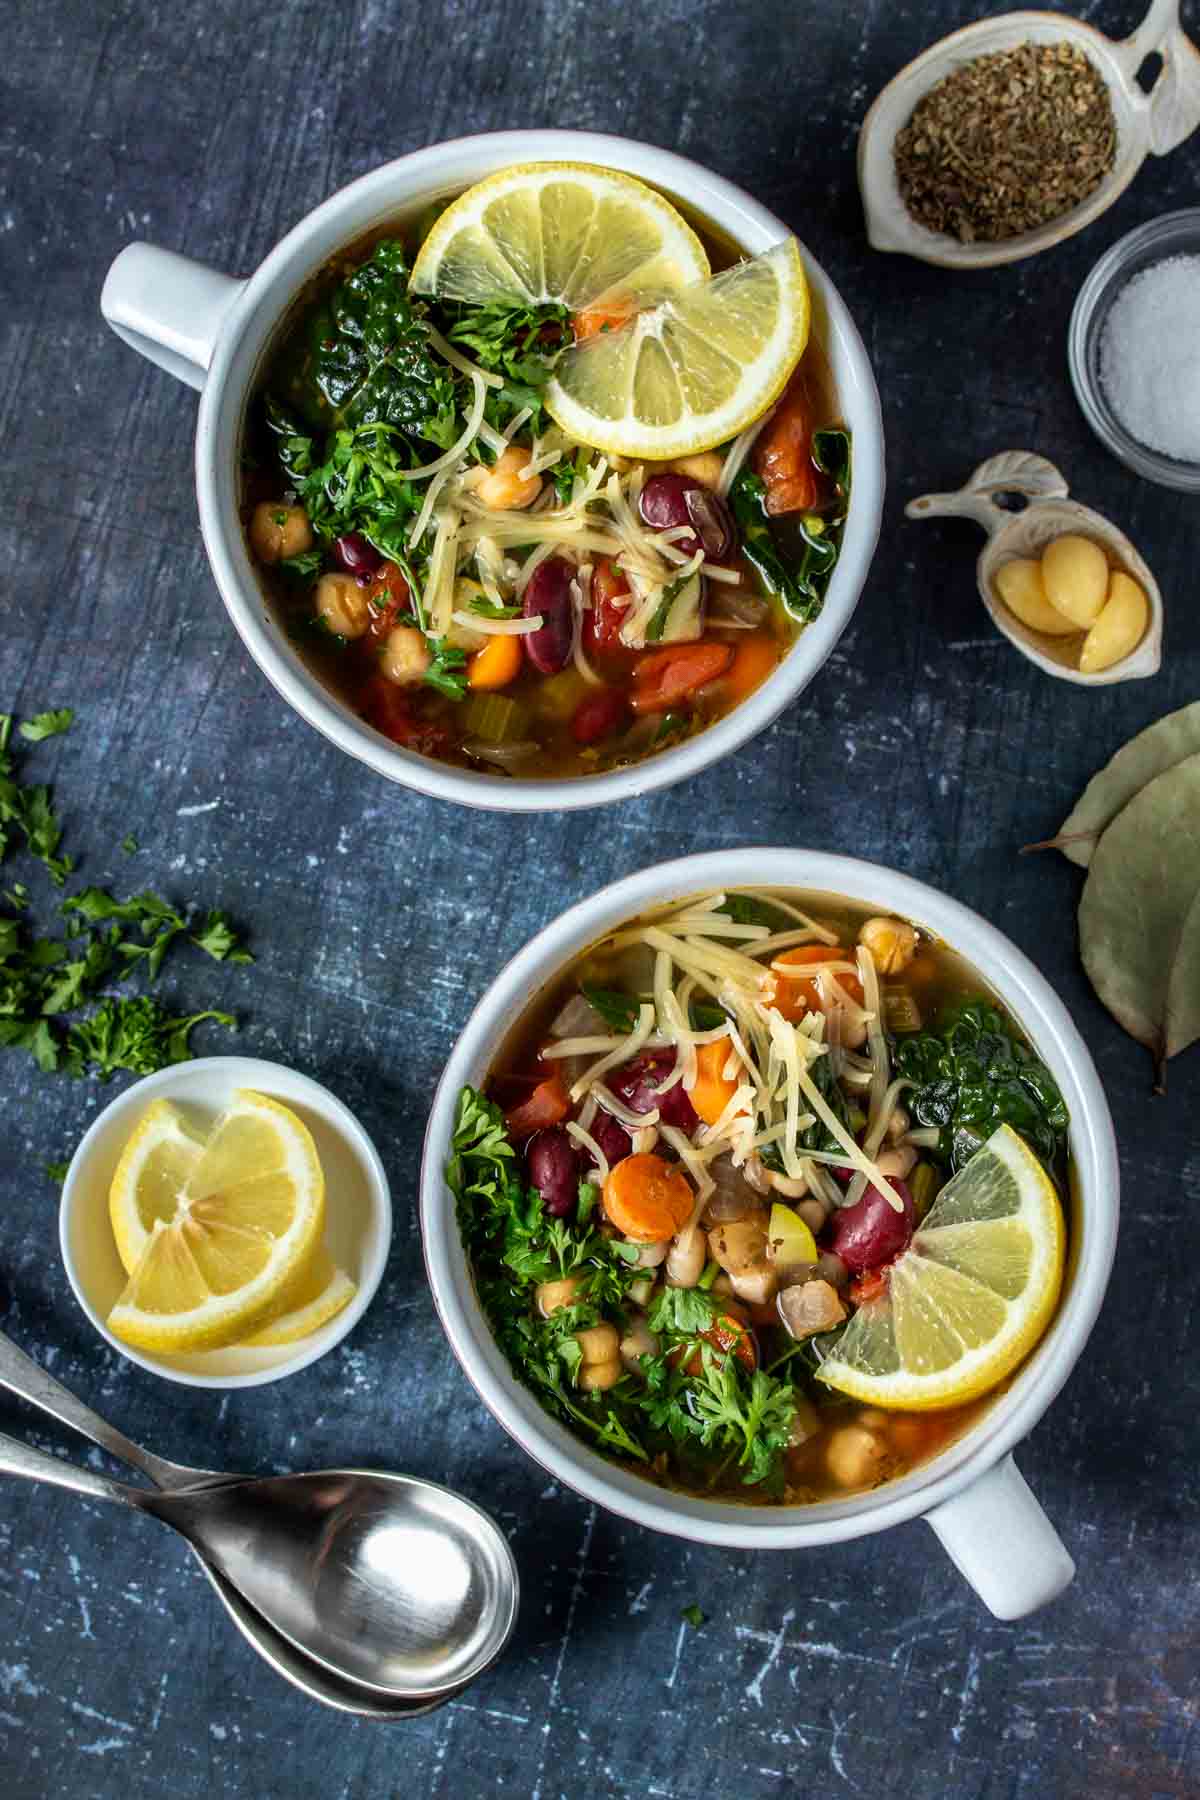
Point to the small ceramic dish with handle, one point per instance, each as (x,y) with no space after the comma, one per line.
(358,1211)
(1149,123)
(1046,514)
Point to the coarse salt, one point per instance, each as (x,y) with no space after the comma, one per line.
(1150,357)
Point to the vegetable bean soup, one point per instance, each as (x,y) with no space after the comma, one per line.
(492,587)
(764,1197)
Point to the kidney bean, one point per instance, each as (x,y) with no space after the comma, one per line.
(612,1138)
(635,1084)
(668,501)
(355,554)
(549,593)
(599,716)
(871,1232)
(553,1165)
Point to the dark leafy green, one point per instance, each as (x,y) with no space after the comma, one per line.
(361,356)
(974,1073)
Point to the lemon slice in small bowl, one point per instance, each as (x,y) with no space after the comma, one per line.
(310,1311)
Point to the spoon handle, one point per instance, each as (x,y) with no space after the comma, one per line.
(24,1378)
(21,1459)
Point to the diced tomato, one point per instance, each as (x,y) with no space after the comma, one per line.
(547,1105)
(793,998)
(608,317)
(728,1332)
(782,456)
(610,599)
(665,677)
(389,599)
(389,709)
(603,712)
(871,1285)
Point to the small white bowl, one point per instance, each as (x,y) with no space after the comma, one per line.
(1047,514)
(358,1221)
(1148,124)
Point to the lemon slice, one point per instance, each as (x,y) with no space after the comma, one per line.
(558,231)
(317,1295)
(971,1295)
(693,371)
(225,1224)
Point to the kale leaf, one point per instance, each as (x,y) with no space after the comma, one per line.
(973,1073)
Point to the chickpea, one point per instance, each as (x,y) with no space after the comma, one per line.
(705,466)
(854,1456)
(278,530)
(463,637)
(899,1125)
(505,486)
(892,943)
(599,1343)
(686,1258)
(595,1377)
(405,655)
(343,605)
(553,1294)
(639,1340)
(897,1164)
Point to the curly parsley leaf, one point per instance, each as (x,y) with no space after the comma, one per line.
(218,938)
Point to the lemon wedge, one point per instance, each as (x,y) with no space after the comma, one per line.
(558,231)
(317,1295)
(216,1228)
(971,1295)
(693,371)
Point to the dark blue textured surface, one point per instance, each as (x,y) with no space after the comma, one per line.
(211,127)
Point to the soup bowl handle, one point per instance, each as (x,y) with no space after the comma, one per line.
(168,308)
(996,1534)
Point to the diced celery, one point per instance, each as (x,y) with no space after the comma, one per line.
(495,718)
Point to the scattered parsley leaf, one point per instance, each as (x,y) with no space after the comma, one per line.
(129,844)
(218,939)
(47,724)
(56,1172)
(692,1615)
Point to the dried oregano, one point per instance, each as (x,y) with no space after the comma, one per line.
(1007,143)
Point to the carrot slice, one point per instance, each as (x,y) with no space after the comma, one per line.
(793,998)
(607,316)
(713,1091)
(498,663)
(547,1105)
(754,659)
(648,1199)
(665,677)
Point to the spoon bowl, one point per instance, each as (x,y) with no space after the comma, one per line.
(1149,123)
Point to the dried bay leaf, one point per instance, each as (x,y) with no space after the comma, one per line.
(1160,747)
(1139,917)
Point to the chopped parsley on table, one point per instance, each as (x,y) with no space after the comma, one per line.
(56,998)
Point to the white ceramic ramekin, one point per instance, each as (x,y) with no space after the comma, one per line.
(213,332)
(972,1494)
(358,1210)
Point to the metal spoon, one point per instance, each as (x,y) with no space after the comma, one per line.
(395,1591)
(28,1381)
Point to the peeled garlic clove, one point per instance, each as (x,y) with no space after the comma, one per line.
(1119,629)
(1075,577)
(1019,585)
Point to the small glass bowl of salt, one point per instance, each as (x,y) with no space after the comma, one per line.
(1134,350)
